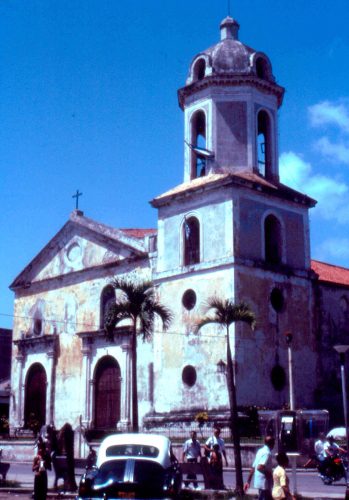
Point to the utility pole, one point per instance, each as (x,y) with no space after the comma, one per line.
(289,338)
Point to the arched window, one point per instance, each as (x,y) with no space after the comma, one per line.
(199,70)
(277,300)
(191,238)
(272,240)
(262,68)
(35,397)
(37,324)
(107,298)
(107,384)
(198,139)
(37,314)
(264,146)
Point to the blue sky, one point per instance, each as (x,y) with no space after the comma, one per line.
(88,100)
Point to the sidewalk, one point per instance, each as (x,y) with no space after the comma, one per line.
(20,480)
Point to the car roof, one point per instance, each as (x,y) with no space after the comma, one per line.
(156,440)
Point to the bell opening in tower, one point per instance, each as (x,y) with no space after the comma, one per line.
(264,163)
(198,140)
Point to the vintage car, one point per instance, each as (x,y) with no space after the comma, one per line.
(132,466)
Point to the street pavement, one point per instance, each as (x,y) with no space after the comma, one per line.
(308,483)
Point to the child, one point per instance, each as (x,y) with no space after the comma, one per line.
(40,465)
(216,464)
(281,488)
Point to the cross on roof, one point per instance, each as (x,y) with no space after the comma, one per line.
(77,195)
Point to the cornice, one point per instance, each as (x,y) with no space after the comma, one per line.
(230,81)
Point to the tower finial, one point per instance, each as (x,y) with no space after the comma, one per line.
(228,2)
(229,29)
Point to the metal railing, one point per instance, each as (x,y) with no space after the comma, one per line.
(181,432)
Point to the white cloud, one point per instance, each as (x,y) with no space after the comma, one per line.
(333,151)
(333,249)
(329,113)
(330,193)
(294,171)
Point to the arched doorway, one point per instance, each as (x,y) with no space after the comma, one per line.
(35,397)
(107,383)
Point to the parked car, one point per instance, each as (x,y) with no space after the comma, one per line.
(132,466)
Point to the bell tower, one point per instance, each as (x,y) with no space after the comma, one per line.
(233,230)
(230,103)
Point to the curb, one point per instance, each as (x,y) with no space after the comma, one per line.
(185,494)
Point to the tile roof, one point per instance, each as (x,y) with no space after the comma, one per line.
(138,233)
(331,273)
(193,184)
(242,178)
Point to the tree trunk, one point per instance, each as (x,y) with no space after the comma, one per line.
(134,380)
(234,420)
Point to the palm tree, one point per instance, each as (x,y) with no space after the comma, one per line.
(224,313)
(137,302)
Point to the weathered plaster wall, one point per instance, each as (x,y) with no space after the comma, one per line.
(231,141)
(182,346)
(214,212)
(67,305)
(332,329)
(257,350)
(249,231)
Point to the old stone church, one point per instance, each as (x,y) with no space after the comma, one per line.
(232,230)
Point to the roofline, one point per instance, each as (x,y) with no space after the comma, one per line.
(230,80)
(278,190)
(77,218)
(327,281)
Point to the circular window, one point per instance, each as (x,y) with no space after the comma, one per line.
(189,375)
(189,299)
(74,252)
(278,377)
(277,300)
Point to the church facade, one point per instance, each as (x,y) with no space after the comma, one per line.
(231,230)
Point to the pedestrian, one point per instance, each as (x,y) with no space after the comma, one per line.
(41,464)
(281,489)
(91,458)
(262,470)
(332,449)
(216,439)
(319,447)
(191,454)
(320,453)
(216,464)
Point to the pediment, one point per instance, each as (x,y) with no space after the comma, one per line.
(80,245)
(79,253)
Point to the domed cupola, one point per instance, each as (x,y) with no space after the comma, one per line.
(230,101)
(230,57)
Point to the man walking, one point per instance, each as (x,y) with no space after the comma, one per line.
(262,470)
(191,454)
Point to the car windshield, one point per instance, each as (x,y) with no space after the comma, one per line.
(132,450)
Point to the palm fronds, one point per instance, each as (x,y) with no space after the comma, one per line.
(225,312)
(138,302)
